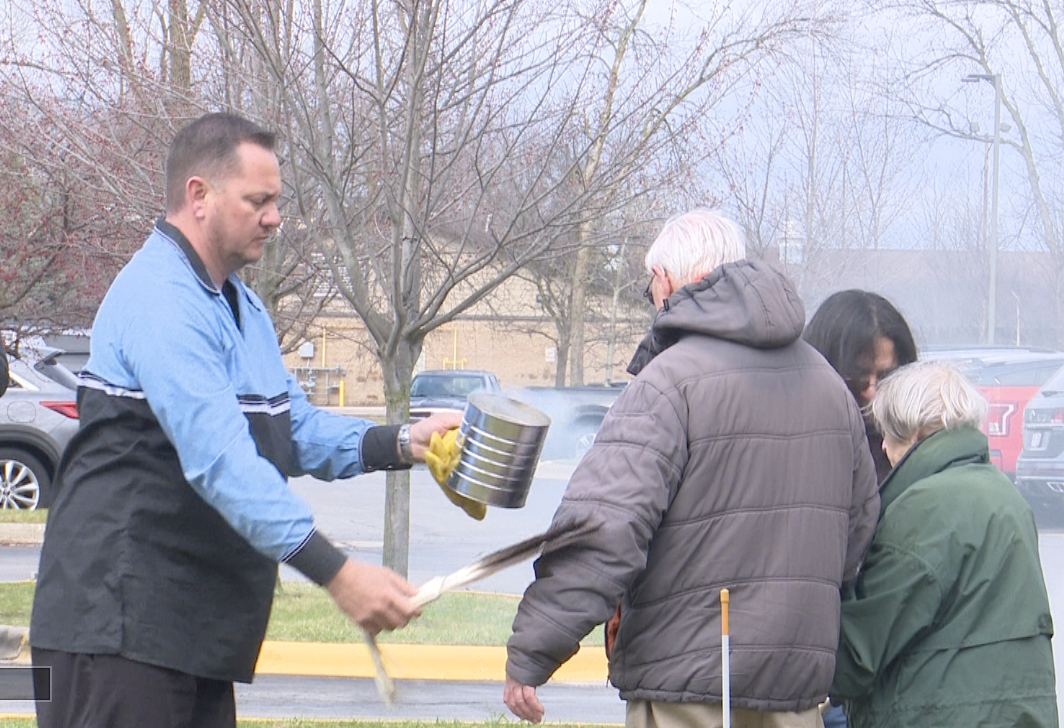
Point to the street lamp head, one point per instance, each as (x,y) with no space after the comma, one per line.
(977,77)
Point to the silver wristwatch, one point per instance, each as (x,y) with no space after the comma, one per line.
(406,455)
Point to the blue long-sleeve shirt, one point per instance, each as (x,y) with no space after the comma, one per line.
(172,507)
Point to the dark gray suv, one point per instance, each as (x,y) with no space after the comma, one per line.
(1040,467)
(38,416)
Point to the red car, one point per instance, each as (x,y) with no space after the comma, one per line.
(1008,376)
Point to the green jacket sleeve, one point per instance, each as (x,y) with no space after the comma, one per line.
(896,596)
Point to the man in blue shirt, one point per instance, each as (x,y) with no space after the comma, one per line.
(171,507)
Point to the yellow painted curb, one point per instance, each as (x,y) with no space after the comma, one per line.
(415,662)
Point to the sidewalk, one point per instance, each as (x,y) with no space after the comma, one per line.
(415,662)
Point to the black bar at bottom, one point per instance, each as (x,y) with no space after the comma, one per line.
(26,683)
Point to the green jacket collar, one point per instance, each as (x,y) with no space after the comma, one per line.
(943,449)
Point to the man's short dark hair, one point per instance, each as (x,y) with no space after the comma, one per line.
(207,148)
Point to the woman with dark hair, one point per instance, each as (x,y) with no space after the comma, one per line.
(864,338)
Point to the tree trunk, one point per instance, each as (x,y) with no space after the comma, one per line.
(577,310)
(397,373)
(180,47)
(618,285)
(562,358)
(578,305)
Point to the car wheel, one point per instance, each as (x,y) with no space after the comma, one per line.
(23,480)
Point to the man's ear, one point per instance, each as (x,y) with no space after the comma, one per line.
(667,287)
(196,190)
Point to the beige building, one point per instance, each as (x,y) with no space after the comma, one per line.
(505,333)
(942,294)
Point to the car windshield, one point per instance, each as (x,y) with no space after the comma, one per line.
(1055,384)
(35,375)
(57,373)
(445,386)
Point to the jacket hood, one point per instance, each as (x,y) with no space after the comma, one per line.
(748,302)
(941,450)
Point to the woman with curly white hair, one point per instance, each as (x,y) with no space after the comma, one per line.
(948,622)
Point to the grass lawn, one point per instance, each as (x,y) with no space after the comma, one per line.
(8,515)
(305,613)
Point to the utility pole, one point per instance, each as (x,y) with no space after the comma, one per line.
(991,319)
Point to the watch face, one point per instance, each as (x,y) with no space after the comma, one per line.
(404,444)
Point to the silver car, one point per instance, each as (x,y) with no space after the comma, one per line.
(38,416)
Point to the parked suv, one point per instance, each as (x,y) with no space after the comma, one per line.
(38,416)
(576,413)
(439,390)
(1040,468)
(1008,376)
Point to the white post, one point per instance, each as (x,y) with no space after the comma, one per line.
(725,659)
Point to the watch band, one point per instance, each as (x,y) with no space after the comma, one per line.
(406,454)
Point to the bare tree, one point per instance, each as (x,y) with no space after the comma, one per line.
(90,108)
(425,141)
(654,99)
(433,148)
(1019,42)
(613,304)
(823,170)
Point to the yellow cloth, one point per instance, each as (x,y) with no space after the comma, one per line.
(442,458)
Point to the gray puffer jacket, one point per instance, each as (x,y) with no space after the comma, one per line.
(737,458)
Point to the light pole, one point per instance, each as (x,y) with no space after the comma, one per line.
(995,79)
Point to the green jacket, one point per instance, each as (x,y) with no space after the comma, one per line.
(949,623)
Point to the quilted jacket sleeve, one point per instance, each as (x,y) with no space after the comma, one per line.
(625,484)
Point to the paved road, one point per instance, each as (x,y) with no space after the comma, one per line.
(277,697)
(274,697)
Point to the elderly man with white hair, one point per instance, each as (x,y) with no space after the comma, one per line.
(949,622)
(736,459)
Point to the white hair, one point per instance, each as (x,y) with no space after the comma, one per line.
(924,397)
(691,245)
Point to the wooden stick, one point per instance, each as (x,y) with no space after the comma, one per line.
(385,686)
(725,659)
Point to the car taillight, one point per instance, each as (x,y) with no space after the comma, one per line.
(1037,416)
(67,409)
(997,419)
